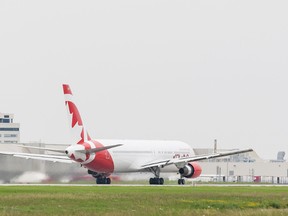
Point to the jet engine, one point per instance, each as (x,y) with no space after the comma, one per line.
(191,170)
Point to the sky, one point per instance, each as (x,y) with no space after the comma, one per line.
(193,71)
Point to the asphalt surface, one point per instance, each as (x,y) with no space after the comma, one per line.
(147,185)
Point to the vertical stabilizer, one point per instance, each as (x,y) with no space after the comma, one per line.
(79,133)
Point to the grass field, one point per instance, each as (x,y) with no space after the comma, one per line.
(137,200)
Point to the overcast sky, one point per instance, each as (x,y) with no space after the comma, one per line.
(184,70)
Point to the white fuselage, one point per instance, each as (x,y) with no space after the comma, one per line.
(133,154)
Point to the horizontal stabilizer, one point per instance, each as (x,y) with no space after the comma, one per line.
(46,149)
(99,149)
(53,158)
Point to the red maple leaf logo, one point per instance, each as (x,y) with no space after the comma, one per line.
(76,118)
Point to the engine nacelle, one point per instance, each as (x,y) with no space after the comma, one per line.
(191,170)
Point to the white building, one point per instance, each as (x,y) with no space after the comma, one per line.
(247,167)
(9,131)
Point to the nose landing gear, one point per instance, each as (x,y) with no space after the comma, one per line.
(181,181)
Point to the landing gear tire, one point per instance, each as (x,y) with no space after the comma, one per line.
(156,181)
(103,181)
(181,181)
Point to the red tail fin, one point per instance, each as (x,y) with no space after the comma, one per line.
(79,132)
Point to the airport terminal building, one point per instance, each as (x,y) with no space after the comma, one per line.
(9,131)
(247,167)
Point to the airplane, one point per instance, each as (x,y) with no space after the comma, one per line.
(104,157)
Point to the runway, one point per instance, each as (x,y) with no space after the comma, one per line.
(146,185)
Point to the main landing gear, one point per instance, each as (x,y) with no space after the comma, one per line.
(103,180)
(157,180)
(160,181)
(100,178)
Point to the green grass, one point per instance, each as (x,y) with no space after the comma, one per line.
(137,200)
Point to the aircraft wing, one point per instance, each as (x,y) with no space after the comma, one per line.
(46,144)
(54,158)
(45,157)
(176,161)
